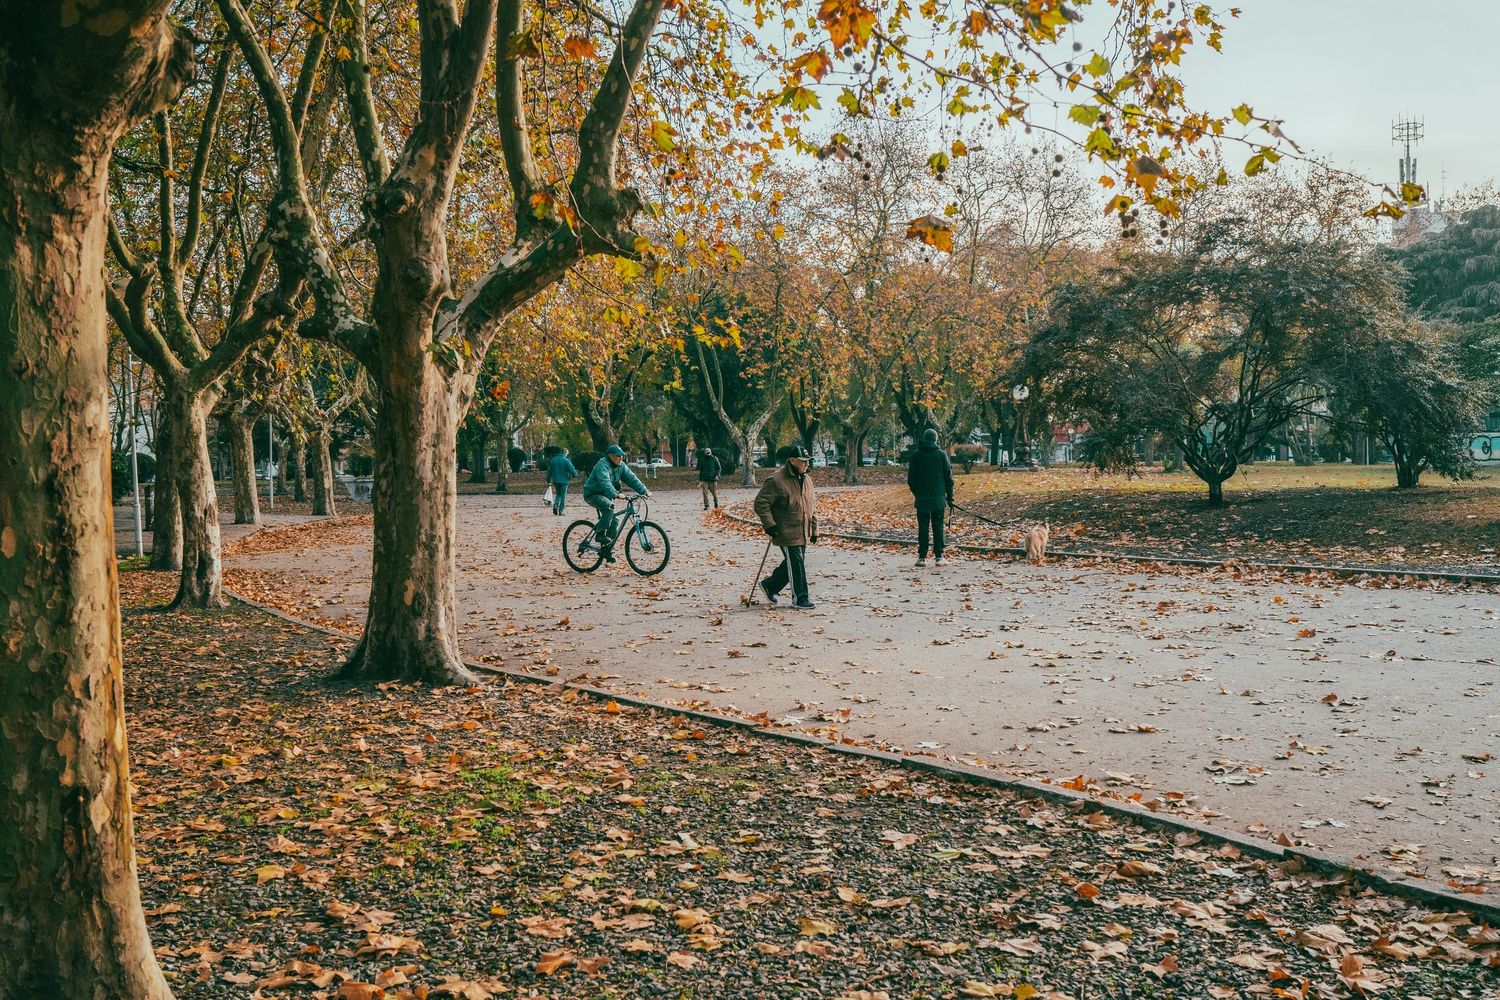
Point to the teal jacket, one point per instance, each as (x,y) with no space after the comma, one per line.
(605,480)
(560,469)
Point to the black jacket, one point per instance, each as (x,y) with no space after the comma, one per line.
(709,468)
(930,477)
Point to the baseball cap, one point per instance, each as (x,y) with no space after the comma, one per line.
(797,451)
(615,449)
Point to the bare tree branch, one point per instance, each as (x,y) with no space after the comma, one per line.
(200,158)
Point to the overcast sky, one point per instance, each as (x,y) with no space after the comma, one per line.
(1339,71)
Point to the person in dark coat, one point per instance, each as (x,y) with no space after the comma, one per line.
(709,470)
(929,476)
(560,472)
(786,506)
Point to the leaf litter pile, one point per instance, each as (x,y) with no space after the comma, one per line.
(302,839)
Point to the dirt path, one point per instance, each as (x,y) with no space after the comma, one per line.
(1357,720)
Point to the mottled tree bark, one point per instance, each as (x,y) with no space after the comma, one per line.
(198,584)
(322,480)
(241,434)
(297,455)
(166,513)
(71,81)
(411,631)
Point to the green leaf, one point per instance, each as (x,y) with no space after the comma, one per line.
(1243,114)
(661,134)
(1098,66)
(799,98)
(1100,144)
(1084,114)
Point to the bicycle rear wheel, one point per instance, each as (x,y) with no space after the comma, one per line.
(580,548)
(647,549)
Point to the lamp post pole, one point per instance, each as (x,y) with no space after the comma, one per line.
(270,462)
(1019,393)
(132,391)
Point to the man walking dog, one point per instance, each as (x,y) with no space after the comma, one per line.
(709,469)
(786,507)
(929,476)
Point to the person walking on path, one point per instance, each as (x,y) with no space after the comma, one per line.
(709,470)
(600,490)
(560,472)
(929,476)
(786,506)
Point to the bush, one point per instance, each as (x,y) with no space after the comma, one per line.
(516,457)
(119,467)
(585,461)
(968,455)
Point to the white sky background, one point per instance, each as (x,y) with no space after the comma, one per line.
(1339,71)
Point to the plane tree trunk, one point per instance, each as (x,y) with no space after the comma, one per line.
(241,430)
(322,479)
(71,925)
(166,512)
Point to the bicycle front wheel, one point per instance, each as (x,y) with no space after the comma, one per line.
(580,548)
(647,549)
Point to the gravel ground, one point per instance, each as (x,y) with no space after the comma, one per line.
(298,839)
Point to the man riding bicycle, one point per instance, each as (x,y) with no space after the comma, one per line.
(601,489)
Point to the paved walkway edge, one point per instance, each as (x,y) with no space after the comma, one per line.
(1167,560)
(1486,905)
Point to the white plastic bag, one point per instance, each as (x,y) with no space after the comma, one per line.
(547,497)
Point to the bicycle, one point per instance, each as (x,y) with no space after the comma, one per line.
(645,541)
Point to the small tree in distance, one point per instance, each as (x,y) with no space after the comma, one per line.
(968,455)
(1420,390)
(1211,347)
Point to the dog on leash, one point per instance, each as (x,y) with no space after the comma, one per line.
(1035,540)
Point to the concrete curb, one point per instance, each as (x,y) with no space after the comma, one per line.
(1485,905)
(1165,560)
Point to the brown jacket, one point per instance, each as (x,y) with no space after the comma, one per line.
(786,508)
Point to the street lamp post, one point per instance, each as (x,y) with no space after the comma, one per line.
(270,462)
(132,392)
(1022,458)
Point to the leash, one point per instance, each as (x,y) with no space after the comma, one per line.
(981,517)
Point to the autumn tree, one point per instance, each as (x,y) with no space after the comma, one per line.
(423,343)
(1025,224)
(176,314)
(1419,388)
(322,391)
(1215,349)
(73,79)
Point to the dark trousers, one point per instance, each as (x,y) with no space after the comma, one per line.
(929,522)
(794,568)
(604,528)
(559,497)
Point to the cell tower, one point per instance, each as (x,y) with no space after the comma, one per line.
(1406,133)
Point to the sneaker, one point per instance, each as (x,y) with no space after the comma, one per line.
(804,605)
(770,595)
(608,554)
(921,562)
(938,561)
